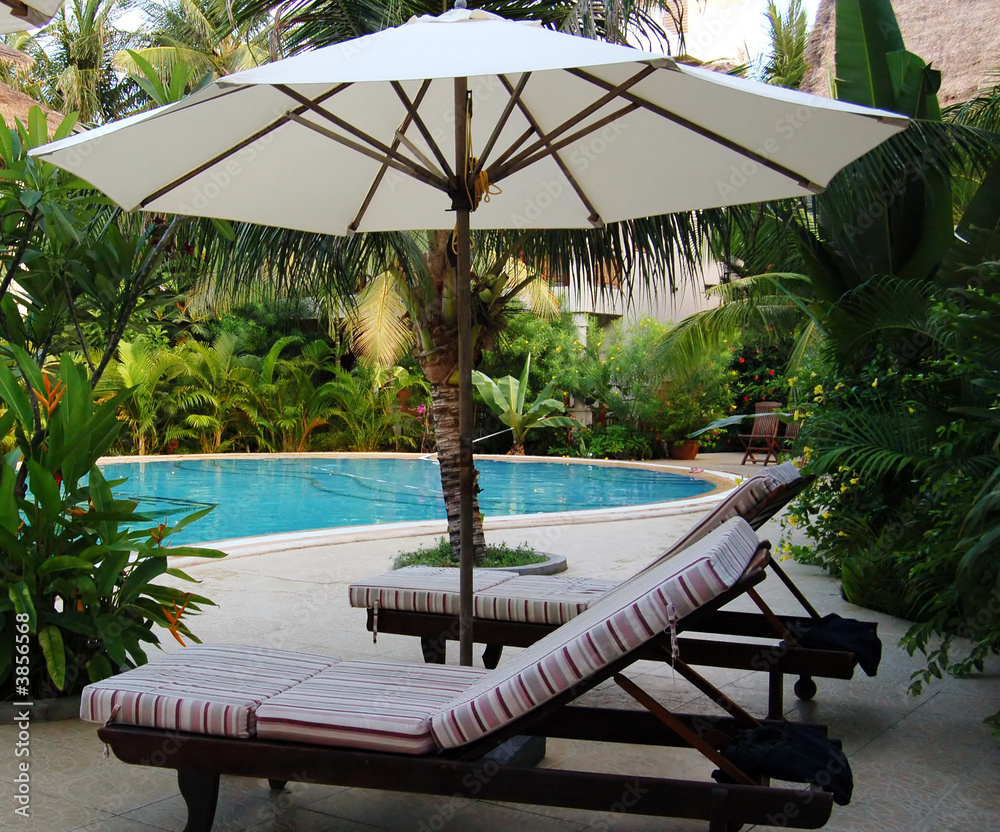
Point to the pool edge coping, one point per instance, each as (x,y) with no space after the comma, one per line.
(289,541)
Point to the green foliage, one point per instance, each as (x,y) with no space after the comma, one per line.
(507,398)
(606,442)
(367,406)
(498,555)
(785,64)
(77,566)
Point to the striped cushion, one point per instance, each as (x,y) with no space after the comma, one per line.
(421,588)
(206,689)
(785,474)
(621,620)
(382,706)
(539,599)
(742,501)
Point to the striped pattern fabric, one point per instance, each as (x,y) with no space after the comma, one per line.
(421,589)
(620,621)
(785,474)
(205,689)
(740,502)
(539,599)
(381,706)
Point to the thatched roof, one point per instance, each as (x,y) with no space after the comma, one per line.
(9,55)
(959,37)
(14,104)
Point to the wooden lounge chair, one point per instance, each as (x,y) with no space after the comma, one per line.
(762,435)
(517,611)
(281,716)
(783,444)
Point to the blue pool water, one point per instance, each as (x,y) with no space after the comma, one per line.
(285,494)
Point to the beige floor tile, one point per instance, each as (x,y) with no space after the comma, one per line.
(920,764)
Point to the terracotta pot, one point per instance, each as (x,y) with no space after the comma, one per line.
(688,449)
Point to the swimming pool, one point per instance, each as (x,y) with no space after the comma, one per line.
(272,495)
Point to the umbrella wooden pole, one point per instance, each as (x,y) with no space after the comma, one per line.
(465,412)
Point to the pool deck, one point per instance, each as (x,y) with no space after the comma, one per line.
(921,764)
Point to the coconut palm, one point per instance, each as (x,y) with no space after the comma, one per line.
(199,34)
(785,63)
(81,42)
(644,252)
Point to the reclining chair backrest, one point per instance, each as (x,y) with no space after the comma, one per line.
(743,501)
(622,620)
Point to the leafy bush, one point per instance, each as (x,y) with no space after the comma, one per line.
(497,555)
(606,442)
(76,565)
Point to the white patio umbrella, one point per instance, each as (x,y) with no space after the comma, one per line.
(16,15)
(407,129)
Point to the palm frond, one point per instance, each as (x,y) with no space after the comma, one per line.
(380,334)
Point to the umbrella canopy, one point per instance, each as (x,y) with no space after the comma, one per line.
(330,134)
(16,15)
(472,121)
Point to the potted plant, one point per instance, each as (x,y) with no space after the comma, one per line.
(690,401)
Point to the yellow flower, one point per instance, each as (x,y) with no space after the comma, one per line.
(792,380)
(839,386)
(855,480)
(843,488)
(812,374)
(841,534)
(826,515)
(818,389)
(875,383)
(793,519)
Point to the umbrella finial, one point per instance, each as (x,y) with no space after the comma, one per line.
(461,4)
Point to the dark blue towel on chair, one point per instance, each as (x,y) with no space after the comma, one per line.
(832,632)
(792,752)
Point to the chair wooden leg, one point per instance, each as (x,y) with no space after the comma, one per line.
(775,694)
(434,648)
(491,656)
(200,791)
(277,785)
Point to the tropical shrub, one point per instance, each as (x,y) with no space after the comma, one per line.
(507,398)
(77,566)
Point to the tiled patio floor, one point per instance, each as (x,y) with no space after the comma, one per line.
(923,764)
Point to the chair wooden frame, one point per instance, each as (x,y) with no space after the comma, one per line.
(763,435)
(200,760)
(773,650)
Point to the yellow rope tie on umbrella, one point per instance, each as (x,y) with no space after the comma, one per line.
(483,188)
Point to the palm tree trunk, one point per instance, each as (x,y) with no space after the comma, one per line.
(445,399)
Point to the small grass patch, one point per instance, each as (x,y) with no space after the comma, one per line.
(499,555)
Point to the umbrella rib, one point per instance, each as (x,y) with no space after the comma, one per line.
(17,8)
(418,173)
(353,227)
(510,151)
(236,148)
(550,148)
(704,132)
(570,123)
(386,151)
(512,101)
(595,217)
(411,108)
